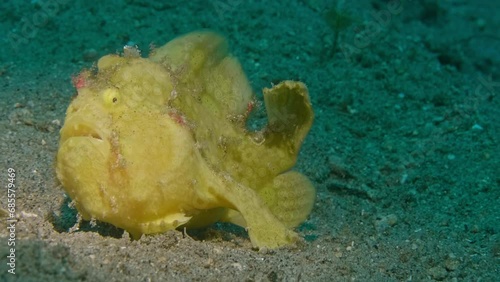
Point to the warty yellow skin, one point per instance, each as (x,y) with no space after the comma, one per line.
(151,144)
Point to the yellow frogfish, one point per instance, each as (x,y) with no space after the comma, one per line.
(153,144)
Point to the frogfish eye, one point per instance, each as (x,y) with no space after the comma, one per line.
(110,96)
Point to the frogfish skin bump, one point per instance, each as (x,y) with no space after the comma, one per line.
(152,144)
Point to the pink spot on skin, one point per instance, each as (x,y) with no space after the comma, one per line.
(177,118)
(250,107)
(79,81)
